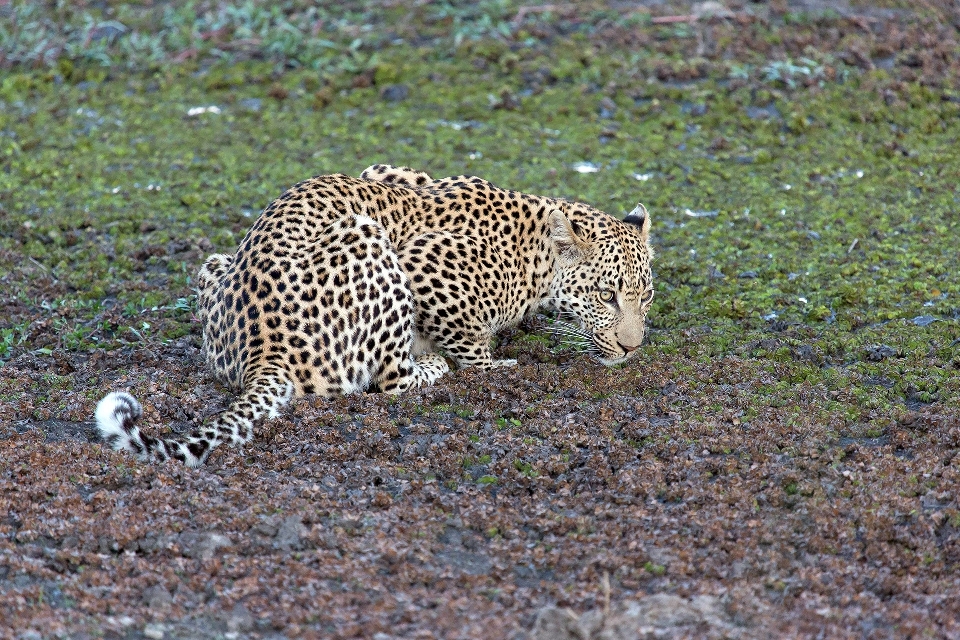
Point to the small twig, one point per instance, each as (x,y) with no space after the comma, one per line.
(392,4)
(240,43)
(606,594)
(186,54)
(673,19)
(31,258)
(45,270)
(853,245)
(540,8)
(213,34)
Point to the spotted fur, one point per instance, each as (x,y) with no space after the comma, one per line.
(345,284)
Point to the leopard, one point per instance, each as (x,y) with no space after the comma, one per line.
(376,283)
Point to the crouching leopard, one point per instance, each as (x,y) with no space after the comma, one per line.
(345,284)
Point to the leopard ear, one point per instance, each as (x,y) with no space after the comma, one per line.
(641,219)
(563,233)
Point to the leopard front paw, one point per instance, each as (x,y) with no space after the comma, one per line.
(432,366)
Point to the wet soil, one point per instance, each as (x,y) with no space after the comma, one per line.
(463,509)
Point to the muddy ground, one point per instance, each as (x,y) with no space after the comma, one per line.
(462,509)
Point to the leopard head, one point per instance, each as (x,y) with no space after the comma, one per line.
(603,278)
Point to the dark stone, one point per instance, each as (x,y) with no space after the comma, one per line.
(395,92)
(157,597)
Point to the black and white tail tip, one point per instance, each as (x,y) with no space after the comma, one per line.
(116,415)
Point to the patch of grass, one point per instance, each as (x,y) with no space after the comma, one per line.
(11,337)
(832,266)
(525,468)
(471,461)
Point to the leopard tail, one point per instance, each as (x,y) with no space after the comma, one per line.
(118,412)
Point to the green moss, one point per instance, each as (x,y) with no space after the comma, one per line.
(833,229)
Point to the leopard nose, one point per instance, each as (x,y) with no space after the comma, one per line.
(627,349)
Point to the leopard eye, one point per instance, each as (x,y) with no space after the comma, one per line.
(606,295)
(647,297)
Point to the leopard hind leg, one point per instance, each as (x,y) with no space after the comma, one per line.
(209,288)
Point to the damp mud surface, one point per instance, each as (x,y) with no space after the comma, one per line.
(779,460)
